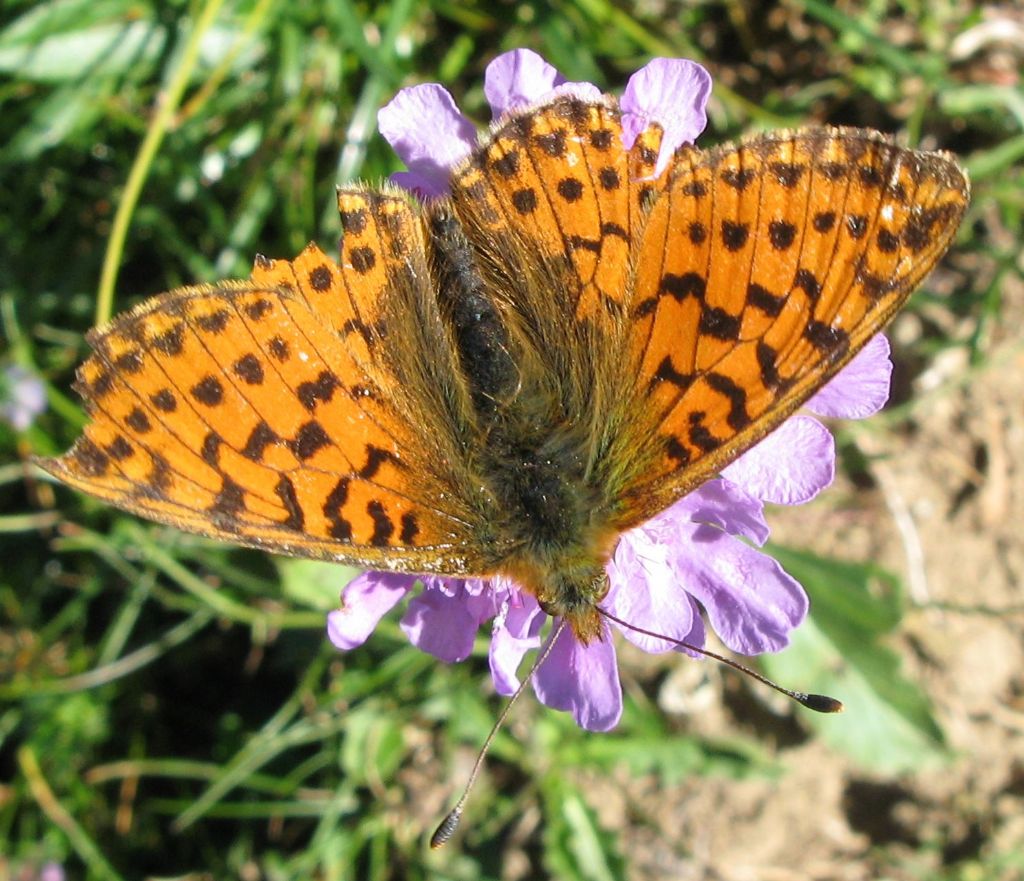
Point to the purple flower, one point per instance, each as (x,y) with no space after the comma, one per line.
(700,556)
(430,135)
(22,396)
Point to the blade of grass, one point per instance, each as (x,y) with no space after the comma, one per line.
(168,106)
(109,672)
(48,802)
(253,810)
(253,22)
(220,602)
(127,616)
(381,78)
(272,739)
(190,769)
(990,163)
(900,61)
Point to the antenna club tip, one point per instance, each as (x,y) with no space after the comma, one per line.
(822,703)
(446,829)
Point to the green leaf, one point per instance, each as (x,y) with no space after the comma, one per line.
(91,52)
(575,846)
(888,725)
(673,756)
(373,747)
(312,583)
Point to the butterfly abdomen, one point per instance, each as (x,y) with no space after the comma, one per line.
(530,447)
(479,332)
(532,425)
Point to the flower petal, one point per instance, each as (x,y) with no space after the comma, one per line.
(861,388)
(750,600)
(672,92)
(521,77)
(523,614)
(721,503)
(460,587)
(366,599)
(22,396)
(790,466)
(516,631)
(696,636)
(517,78)
(444,622)
(425,128)
(645,592)
(504,656)
(583,679)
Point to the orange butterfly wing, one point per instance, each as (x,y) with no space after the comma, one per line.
(278,413)
(664,325)
(762,269)
(718,297)
(555,185)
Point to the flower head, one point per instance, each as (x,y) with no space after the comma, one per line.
(51,872)
(700,556)
(430,135)
(22,396)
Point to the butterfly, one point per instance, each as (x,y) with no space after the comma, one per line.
(504,380)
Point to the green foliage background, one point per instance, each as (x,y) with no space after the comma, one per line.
(170,707)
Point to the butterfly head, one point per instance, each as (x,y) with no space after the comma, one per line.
(573,594)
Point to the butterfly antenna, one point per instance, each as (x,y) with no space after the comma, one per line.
(447,826)
(820,703)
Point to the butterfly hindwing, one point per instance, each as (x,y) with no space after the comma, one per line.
(555,185)
(762,270)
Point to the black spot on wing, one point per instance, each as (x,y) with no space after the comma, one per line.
(89,459)
(675,450)
(827,338)
(311,438)
(211,449)
(667,372)
(738,417)
(320,389)
(138,421)
(375,458)
(410,529)
(164,400)
(119,449)
(129,362)
(340,528)
(229,503)
(383,528)
(259,439)
(285,491)
(719,324)
(249,369)
(208,391)
(734,235)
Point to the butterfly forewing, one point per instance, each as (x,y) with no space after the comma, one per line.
(234,412)
(763,269)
